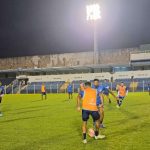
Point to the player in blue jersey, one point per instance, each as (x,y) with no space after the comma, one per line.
(1,95)
(100,90)
(70,91)
(106,90)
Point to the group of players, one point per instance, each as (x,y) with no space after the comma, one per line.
(90,101)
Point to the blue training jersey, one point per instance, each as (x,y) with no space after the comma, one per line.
(106,88)
(1,90)
(69,88)
(100,89)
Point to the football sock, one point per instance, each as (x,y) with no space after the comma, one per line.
(118,102)
(96,133)
(84,136)
(109,100)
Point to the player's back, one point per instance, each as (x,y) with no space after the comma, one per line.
(69,88)
(90,99)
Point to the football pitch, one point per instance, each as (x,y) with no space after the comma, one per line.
(29,123)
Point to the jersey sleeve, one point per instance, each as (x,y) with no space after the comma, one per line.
(93,86)
(107,87)
(101,89)
(98,100)
(81,93)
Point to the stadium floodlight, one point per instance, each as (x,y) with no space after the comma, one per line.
(93,12)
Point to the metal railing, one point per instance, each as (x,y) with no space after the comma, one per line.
(57,88)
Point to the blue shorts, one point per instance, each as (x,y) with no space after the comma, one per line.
(86,113)
(121,97)
(69,92)
(106,93)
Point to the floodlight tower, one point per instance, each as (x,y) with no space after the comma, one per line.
(94,14)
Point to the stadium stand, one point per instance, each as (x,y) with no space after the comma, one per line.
(136,84)
(7,81)
(134,80)
(110,57)
(51,87)
(26,74)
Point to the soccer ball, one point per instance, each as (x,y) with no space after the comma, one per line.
(91,132)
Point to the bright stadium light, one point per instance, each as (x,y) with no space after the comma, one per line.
(93,12)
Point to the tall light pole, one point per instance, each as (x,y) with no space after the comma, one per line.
(94,14)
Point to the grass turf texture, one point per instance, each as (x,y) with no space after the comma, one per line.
(29,123)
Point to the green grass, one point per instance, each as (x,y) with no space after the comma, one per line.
(29,123)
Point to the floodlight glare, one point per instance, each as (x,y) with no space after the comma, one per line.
(93,12)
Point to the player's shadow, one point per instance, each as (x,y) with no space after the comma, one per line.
(27,111)
(110,107)
(18,119)
(77,125)
(25,108)
(43,106)
(141,104)
(38,100)
(67,100)
(128,114)
(130,130)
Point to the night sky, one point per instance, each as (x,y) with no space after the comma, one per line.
(34,27)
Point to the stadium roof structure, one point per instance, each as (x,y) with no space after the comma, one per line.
(57,69)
